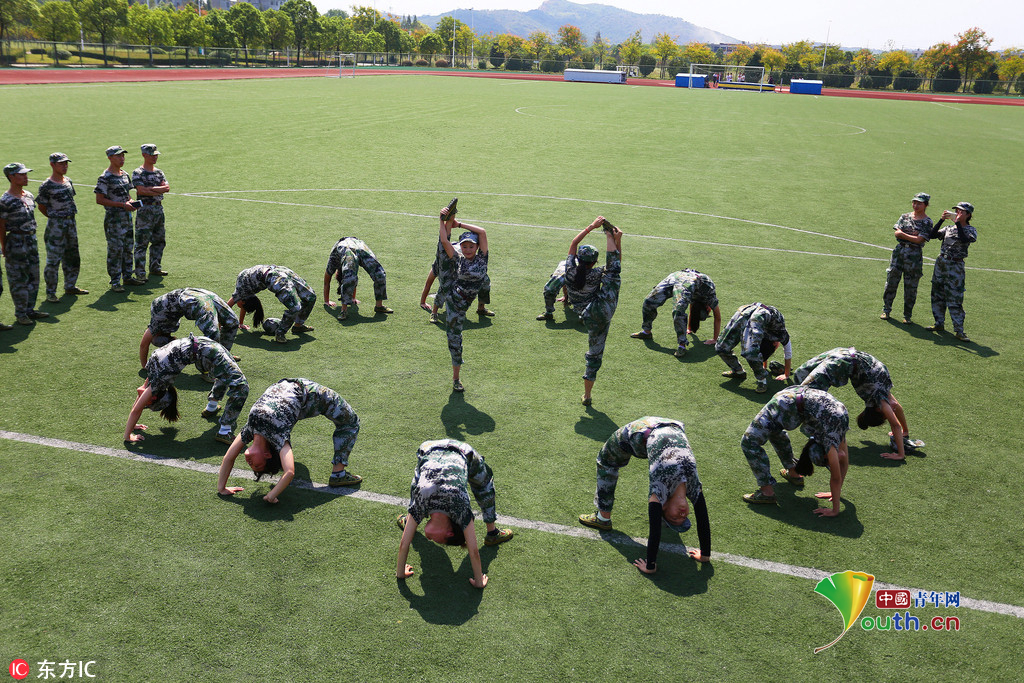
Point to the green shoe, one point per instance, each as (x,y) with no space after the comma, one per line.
(795,481)
(383,309)
(116,288)
(732,374)
(680,352)
(209,414)
(401,521)
(498,538)
(280,339)
(642,334)
(485,312)
(962,336)
(546,316)
(38,315)
(758,498)
(938,327)
(761,388)
(592,521)
(299,327)
(52,299)
(344,478)
(228,438)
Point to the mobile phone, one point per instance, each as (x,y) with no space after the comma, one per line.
(136,203)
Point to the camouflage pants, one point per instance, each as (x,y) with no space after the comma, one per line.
(610,460)
(149,233)
(237,389)
(455,318)
(23,272)
(597,316)
(445,285)
(753,449)
(350,279)
(906,263)
(680,311)
(748,335)
(220,325)
(299,301)
(117,225)
(344,436)
(948,287)
(551,290)
(61,239)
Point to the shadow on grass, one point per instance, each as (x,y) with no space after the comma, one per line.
(110,300)
(745,389)
(871,456)
(447,598)
(461,418)
(799,511)
(947,339)
(291,501)
(353,315)
(254,340)
(595,425)
(677,573)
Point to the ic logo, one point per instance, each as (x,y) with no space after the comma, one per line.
(19,669)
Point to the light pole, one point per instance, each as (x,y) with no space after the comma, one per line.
(828,32)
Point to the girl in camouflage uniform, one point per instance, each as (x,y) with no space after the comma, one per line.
(555,285)
(345,259)
(469,270)
(594,293)
(438,494)
(291,290)
(691,289)
(441,270)
(822,418)
(750,327)
(673,475)
(872,382)
(212,316)
(166,363)
(948,278)
(912,230)
(269,430)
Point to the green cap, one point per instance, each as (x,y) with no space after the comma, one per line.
(469,237)
(115,150)
(965,206)
(150,150)
(11,169)
(922,197)
(58,157)
(587,254)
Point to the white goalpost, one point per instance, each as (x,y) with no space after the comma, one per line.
(730,77)
(341,65)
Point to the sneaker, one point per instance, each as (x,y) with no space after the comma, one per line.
(457,386)
(158,271)
(498,538)
(299,327)
(587,400)
(52,299)
(344,478)
(383,309)
(642,334)
(884,316)
(343,315)
(761,388)
(937,327)
(401,521)
(38,315)
(228,438)
(776,368)
(546,316)
(485,311)
(207,414)
(732,374)
(4,328)
(207,377)
(280,338)
(236,358)
(134,282)
(116,288)
(795,481)
(759,498)
(962,336)
(907,321)
(593,522)
(432,318)
(453,207)
(680,352)
(76,290)
(23,321)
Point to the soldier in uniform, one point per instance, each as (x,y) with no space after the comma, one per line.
(911,231)
(291,290)
(56,200)
(949,275)
(269,430)
(442,271)
(822,418)
(872,382)
(166,363)
(443,470)
(593,293)
(212,316)
(468,267)
(555,285)
(112,192)
(694,294)
(758,329)
(150,187)
(346,258)
(673,474)
(18,244)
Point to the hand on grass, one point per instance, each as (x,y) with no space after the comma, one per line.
(709,342)
(272,501)
(245,327)
(641,564)
(826,512)
(407,573)
(330,304)
(695,554)
(482,584)
(825,495)
(134,438)
(230,490)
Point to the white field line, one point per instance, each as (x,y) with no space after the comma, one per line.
(547,527)
(218,194)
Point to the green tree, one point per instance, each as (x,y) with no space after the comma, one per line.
(57,21)
(304,18)
(933,59)
(188,27)
(697,53)
(447,27)
(740,56)
(773,60)
(392,35)
(149,26)
(570,40)
(864,61)
(631,49)
(599,48)
(105,18)
(13,13)
(219,29)
(279,29)
(336,14)
(896,61)
(798,54)
(249,26)
(365,19)
(432,44)
(1011,67)
(373,42)
(538,42)
(970,54)
(665,48)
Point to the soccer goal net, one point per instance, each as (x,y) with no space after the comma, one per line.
(341,66)
(730,76)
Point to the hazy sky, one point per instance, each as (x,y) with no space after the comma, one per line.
(867,23)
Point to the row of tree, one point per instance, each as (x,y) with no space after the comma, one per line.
(298,25)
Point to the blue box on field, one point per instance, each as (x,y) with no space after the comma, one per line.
(690,80)
(799,86)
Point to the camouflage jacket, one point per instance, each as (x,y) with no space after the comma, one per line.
(58,198)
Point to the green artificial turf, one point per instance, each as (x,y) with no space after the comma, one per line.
(784,199)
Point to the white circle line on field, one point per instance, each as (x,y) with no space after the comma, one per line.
(546,527)
(219,194)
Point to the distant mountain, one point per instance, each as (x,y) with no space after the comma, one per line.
(615,25)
